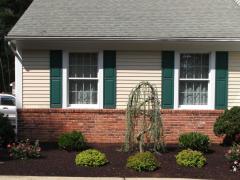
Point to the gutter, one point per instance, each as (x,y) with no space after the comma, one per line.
(79,38)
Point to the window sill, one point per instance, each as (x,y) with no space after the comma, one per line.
(84,106)
(194,107)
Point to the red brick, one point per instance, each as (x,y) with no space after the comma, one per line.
(107,125)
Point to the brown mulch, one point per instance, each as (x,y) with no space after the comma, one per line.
(61,163)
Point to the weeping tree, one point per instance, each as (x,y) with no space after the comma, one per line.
(143,119)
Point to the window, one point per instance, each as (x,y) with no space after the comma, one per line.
(83,78)
(7,101)
(194,80)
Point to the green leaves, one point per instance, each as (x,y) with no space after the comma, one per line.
(228,123)
(91,158)
(234,153)
(194,141)
(72,141)
(144,161)
(25,150)
(190,158)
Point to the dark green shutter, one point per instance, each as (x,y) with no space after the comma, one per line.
(56,79)
(167,79)
(109,64)
(221,95)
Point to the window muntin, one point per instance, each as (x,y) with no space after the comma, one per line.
(194,79)
(83,78)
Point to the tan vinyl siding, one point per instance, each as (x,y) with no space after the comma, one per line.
(234,79)
(36,81)
(133,67)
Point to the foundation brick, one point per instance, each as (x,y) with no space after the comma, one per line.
(108,126)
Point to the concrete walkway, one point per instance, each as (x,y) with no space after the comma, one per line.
(80,178)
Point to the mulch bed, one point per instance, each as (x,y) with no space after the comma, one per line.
(61,163)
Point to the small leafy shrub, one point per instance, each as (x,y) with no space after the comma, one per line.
(233,156)
(145,161)
(7,134)
(91,158)
(233,153)
(72,141)
(228,124)
(194,141)
(24,150)
(191,158)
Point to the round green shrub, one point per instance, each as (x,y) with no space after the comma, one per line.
(194,141)
(228,124)
(7,134)
(72,141)
(91,158)
(145,161)
(190,158)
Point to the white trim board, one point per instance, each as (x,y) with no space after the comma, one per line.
(65,94)
(65,79)
(18,80)
(211,85)
(125,38)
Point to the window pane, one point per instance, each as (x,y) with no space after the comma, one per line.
(86,59)
(94,71)
(194,66)
(7,101)
(83,65)
(83,91)
(87,71)
(193,92)
(205,72)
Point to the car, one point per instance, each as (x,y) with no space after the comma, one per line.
(8,108)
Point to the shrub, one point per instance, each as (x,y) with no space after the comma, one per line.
(233,155)
(228,124)
(24,150)
(191,158)
(72,141)
(144,161)
(7,134)
(194,141)
(91,158)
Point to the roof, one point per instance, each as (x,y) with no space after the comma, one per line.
(130,19)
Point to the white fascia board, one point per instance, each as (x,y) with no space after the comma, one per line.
(180,39)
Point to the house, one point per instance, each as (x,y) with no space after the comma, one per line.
(77,61)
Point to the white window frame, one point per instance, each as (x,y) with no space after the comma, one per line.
(65,83)
(211,85)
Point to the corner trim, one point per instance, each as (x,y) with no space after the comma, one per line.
(18,80)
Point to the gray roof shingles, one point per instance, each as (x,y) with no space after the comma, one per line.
(130,19)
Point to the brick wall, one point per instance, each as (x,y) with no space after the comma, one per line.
(108,126)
